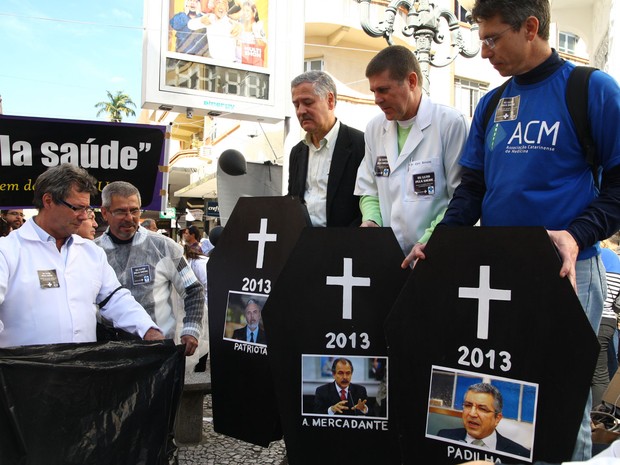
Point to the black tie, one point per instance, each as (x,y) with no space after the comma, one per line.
(251,336)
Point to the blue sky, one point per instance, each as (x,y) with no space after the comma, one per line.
(59,57)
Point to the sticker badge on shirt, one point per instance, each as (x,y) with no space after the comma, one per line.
(508,109)
(141,274)
(424,183)
(48,279)
(382,167)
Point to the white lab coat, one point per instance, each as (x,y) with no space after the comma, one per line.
(432,151)
(36,314)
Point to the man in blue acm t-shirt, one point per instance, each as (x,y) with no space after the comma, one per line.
(526,166)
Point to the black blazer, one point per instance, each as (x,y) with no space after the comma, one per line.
(503,443)
(326,395)
(342,206)
(241,334)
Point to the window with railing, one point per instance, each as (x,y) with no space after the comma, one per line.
(567,42)
(467,94)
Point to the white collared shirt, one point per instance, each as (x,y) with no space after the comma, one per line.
(47,297)
(319,162)
(431,151)
(490,442)
(249,332)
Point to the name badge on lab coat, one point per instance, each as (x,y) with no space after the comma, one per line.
(424,183)
(48,279)
(141,274)
(382,167)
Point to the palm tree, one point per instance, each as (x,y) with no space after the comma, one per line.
(116,106)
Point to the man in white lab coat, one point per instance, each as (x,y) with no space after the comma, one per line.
(50,277)
(410,168)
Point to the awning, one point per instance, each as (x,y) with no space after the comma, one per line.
(205,187)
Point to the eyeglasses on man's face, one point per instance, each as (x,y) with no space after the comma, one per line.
(77,210)
(135,212)
(490,41)
(20,214)
(480,408)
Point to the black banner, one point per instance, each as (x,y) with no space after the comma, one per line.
(109,151)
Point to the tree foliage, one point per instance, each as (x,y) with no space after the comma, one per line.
(118,104)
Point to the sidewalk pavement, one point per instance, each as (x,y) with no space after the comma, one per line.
(218,449)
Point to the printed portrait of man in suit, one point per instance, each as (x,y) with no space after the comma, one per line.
(253,331)
(341,397)
(482,412)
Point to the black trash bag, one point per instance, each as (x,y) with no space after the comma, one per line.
(95,403)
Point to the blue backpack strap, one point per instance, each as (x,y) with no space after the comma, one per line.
(577,103)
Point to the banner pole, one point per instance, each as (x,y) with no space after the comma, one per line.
(166,171)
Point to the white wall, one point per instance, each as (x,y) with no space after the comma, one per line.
(613,65)
(577,21)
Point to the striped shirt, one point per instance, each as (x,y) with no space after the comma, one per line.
(613,289)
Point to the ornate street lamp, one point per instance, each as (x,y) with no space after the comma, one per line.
(423,23)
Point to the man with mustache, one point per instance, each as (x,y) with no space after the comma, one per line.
(14,217)
(482,412)
(412,151)
(151,266)
(341,397)
(323,166)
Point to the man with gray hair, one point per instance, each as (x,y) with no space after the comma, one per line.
(50,277)
(323,166)
(253,330)
(150,265)
(150,224)
(482,412)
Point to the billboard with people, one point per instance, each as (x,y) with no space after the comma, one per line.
(217,57)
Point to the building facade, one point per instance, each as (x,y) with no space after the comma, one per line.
(585,32)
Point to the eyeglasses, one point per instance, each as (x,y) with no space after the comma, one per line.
(16,214)
(480,408)
(78,210)
(135,212)
(490,41)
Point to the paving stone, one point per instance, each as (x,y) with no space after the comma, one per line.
(218,449)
